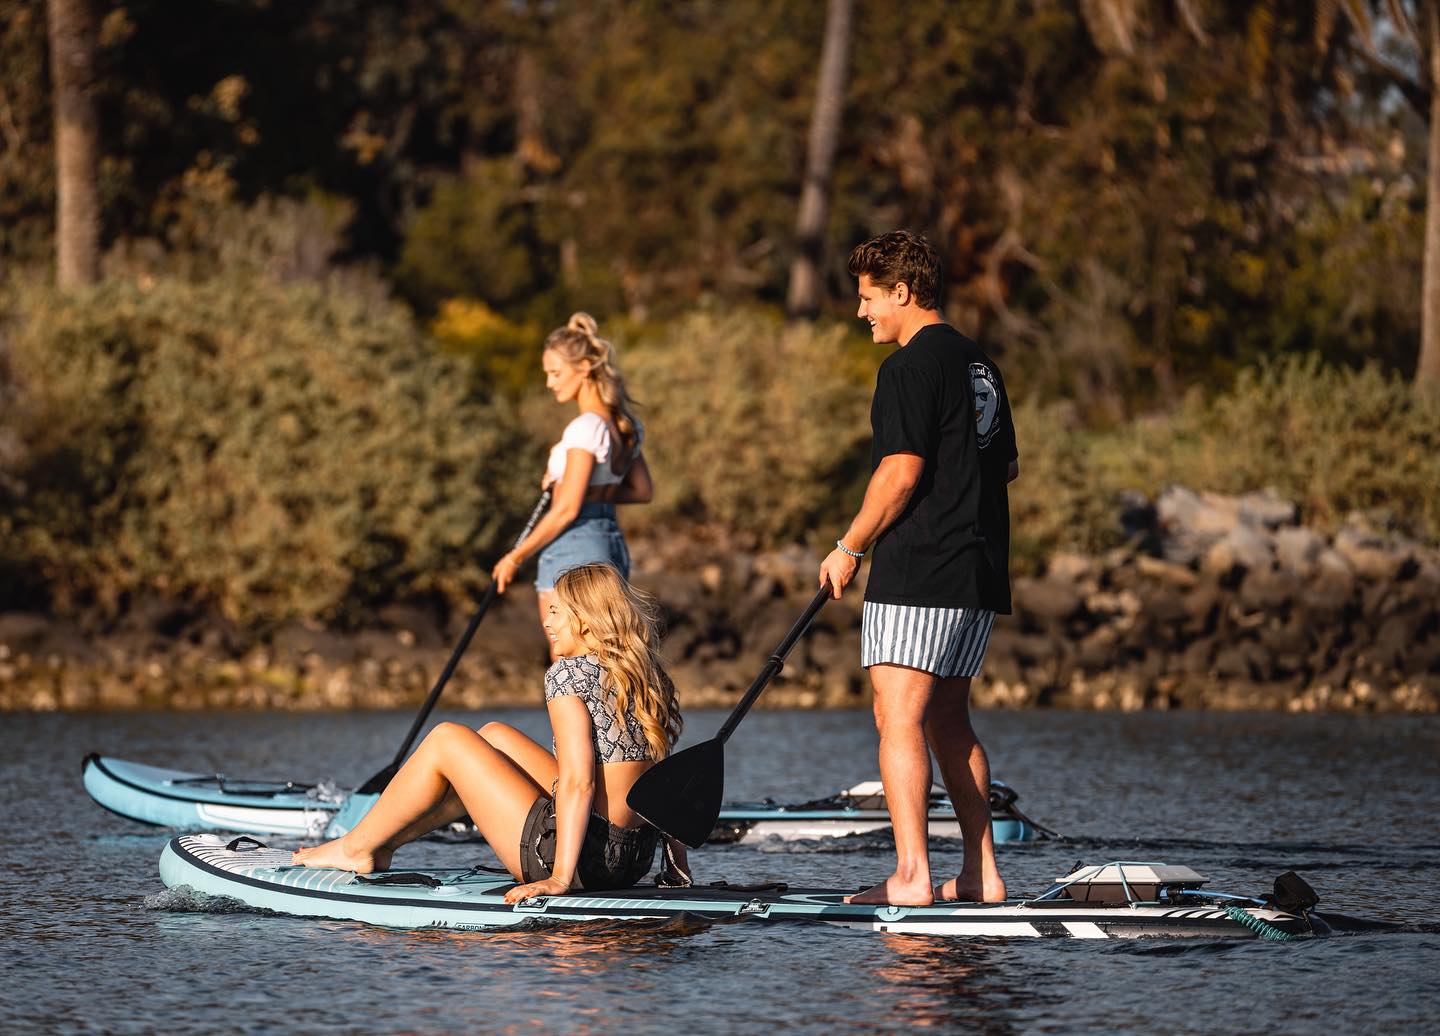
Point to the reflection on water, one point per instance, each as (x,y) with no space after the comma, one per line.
(1348,802)
(934,982)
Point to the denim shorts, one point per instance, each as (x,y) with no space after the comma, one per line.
(610,857)
(592,536)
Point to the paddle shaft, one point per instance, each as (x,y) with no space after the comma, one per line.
(773,666)
(681,794)
(383,777)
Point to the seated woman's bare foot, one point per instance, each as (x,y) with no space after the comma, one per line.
(894,892)
(334,854)
(967,890)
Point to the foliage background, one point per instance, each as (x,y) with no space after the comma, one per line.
(336,235)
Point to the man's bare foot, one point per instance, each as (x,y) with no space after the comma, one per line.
(334,854)
(963,889)
(893,892)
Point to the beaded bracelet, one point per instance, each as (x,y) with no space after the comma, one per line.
(856,554)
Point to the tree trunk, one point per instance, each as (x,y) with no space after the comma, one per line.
(77,142)
(530,147)
(803,299)
(1427,369)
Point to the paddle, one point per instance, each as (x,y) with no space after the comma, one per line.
(681,795)
(377,783)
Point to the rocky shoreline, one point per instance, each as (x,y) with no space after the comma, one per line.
(1216,602)
(1227,602)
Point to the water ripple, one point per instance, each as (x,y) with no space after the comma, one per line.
(96,944)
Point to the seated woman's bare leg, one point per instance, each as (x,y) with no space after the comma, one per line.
(496,793)
(524,751)
(446,811)
(416,792)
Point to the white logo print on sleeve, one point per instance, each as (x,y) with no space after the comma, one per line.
(987,403)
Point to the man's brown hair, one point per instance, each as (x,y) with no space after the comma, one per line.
(901,256)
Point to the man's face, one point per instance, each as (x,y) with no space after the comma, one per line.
(883,309)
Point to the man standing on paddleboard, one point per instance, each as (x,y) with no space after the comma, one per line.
(937,515)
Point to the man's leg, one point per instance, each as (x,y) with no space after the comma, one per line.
(966,771)
(901,698)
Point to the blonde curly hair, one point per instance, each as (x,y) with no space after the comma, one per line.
(620,624)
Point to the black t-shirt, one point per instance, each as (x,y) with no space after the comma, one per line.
(942,398)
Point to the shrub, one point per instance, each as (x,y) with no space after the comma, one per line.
(476,233)
(504,355)
(752,423)
(275,450)
(1060,500)
(1329,438)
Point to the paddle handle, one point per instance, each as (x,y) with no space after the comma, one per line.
(383,777)
(773,666)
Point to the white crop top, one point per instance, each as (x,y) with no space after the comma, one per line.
(591,433)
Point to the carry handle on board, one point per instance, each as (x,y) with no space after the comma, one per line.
(378,783)
(681,795)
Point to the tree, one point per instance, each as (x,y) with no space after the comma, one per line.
(77,142)
(1413,40)
(803,299)
(1427,367)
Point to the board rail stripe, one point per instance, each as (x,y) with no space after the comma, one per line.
(1012,918)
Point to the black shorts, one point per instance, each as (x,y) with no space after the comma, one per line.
(611,857)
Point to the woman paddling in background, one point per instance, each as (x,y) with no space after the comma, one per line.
(596,464)
(557,821)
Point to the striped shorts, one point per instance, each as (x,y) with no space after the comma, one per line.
(943,641)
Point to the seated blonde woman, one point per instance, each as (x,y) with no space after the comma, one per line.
(556,819)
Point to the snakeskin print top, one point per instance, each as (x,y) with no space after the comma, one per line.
(617,739)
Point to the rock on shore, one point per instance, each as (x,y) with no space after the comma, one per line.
(1216,602)
(1228,602)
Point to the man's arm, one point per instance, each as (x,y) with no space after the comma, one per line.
(1013,471)
(886,497)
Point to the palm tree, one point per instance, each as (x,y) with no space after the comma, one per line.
(803,298)
(77,142)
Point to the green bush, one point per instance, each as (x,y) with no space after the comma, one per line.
(476,234)
(283,450)
(1329,438)
(273,450)
(1059,501)
(504,355)
(752,423)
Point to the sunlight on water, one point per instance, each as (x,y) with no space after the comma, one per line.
(1347,802)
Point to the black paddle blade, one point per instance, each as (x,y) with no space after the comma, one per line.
(681,795)
(378,783)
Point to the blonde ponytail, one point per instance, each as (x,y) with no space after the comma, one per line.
(579,343)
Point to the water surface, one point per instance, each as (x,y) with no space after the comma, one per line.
(1351,803)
